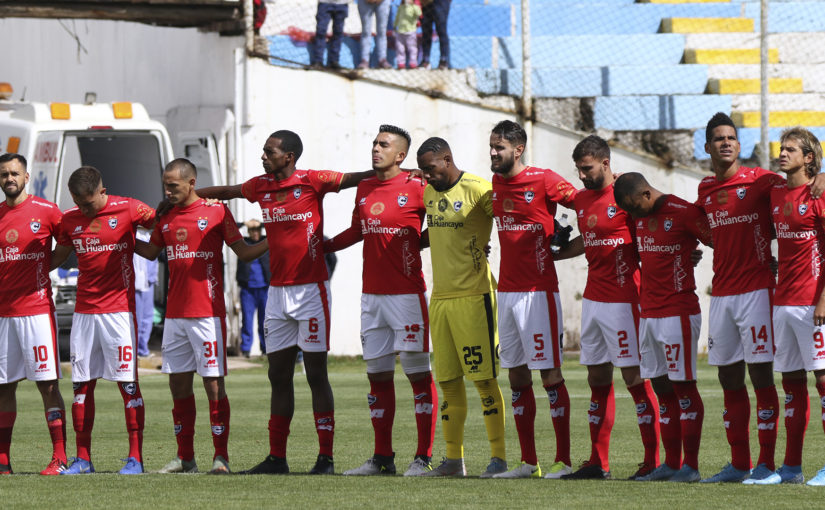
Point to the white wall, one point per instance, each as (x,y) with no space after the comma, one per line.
(337,119)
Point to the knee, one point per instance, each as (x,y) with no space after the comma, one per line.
(415,362)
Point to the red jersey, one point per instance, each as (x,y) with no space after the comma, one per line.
(612,260)
(524,207)
(293,219)
(105,246)
(738,210)
(26,232)
(665,240)
(388,217)
(194,237)
(798,220)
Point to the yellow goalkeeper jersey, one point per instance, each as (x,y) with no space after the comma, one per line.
(459,221)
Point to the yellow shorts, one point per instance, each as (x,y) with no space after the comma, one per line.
(465,338)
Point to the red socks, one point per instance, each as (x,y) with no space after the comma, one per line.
(426,399)
(278,434)
(524,414)
(736,417)
(56,421)
(797,413)
(767,423)
(135,413)
(821,389)
(560,413)
(382,413)
(325,427)
(600,416)
(83,417)
(690,419)
(6,427)
(647,415)
(671,428)
(183,414)
(219,420)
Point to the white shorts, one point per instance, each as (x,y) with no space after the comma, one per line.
(530,330)
(799,344)
(103,345)
(194,344)
(393,323)
(668,346)
(740,328)
(297,315)
(28,348)
(610,334)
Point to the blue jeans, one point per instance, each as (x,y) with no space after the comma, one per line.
(338,13)
(251,300)
(382,15)
(144,316)
(436,12)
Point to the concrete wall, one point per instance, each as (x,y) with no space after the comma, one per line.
(337,119)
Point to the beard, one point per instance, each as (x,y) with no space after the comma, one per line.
(13,194)
(504,167)
(594,184)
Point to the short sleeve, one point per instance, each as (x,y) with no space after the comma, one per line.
(142,214)
(698,225)
(231,233)
(559,190)
(249,191)
(157,236)
(325,181)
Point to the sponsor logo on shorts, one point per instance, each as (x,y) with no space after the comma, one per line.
(641,407)
(43,367)
(129,387)
(819,355)
(371,399)
(760,349)
(552,395)
(312,339)
(212,363)
(684,403)
(123,367)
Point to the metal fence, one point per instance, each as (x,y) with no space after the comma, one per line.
(648,74)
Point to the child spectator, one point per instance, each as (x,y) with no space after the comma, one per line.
(406,21)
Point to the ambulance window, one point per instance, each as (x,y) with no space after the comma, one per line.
(129,162)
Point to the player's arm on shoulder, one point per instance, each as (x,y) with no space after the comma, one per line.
(60,253)
(221,192)
(249,252)
(350,180)
(818,186)
(573,249)
(147,250)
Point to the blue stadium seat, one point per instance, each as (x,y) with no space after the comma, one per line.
(789,16)
(636,113)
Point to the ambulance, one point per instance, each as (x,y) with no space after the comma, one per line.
(119,139)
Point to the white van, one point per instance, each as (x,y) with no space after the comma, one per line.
(120,140)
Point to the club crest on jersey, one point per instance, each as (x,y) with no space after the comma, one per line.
(740,192)
(402,200)
(296,193)
(611,211)
(202,223)
(668,224)
(457,205)
(529,195)
(35,226)
(112,223)
(803,208)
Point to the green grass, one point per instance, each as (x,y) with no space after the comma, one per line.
(249,395)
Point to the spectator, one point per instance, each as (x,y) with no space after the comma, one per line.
(338,10)
(381,9)
(253,278)
(146,276)
(406,43)
(435,11)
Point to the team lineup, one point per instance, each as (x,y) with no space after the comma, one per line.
(640,310)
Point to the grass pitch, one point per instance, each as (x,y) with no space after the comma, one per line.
(249,396)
